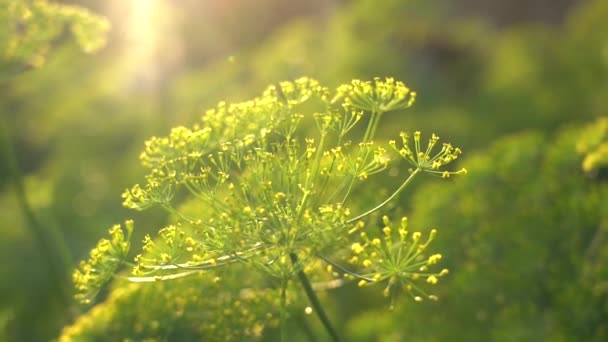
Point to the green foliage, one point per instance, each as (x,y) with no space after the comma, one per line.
(525,244)
(475,77)
(202,307)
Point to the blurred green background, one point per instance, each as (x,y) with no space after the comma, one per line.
(519,85)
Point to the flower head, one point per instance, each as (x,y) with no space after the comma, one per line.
(426,159)
(377,96)
(104,259)
(398,259)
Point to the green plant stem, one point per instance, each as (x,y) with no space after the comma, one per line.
(390,198)
(50,242)
(283,314)
(367,136)
(314,301)
(372,132)
(315,171)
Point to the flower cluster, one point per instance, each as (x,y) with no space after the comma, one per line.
(258,186)
(424,159)
(398,258)
(104,260)
(379,96)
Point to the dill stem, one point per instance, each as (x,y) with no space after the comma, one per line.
(390,198)
(314,301)
(368,131)
(49,240)
(283,313)
(374,126)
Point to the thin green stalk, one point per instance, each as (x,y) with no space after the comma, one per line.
(372,132)
(314,301)
(283,314)
(390,198)
(314,173)
(50,242)
(358,276)
(370,124)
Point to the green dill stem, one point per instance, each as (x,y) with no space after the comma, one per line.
(315,166)
(390,198)
(283,313)
(351,182)
(314,301)
(372,133)
(358,276)
(368,131)
(50,241)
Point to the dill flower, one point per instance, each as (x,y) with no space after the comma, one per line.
(104,260)
(259,188)
(377,96)
(399,259)
(424,159)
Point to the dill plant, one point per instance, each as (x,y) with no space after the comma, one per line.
(271,194)
(30,29)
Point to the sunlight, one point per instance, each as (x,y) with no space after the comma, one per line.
(142,40)
(151,47)
(142,31)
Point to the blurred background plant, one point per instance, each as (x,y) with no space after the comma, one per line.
(509,82)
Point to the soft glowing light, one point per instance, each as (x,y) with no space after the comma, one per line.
(142,31)
(151,46)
